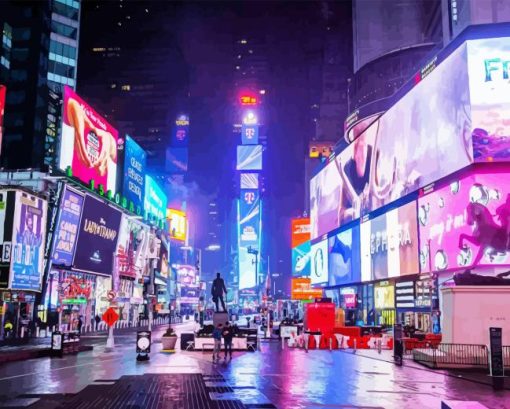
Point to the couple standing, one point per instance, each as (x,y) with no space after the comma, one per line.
(225,331)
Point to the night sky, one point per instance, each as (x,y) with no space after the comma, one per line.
(203,35)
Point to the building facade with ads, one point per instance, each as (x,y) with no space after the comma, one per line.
(135,168)
(300,247)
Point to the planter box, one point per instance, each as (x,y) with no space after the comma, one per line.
(168,342)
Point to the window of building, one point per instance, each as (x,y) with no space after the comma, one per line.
(63,49)
(126,87)
(19,75)
(64,30)
(66,8)
(61,69)
(5,62)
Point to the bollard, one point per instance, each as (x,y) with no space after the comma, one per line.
(37,332)
(379,346)
(355,344)
(331,344)
(22,335)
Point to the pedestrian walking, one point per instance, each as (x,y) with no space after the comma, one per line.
(217,342)
(79,324)
(98,320)
(228,335)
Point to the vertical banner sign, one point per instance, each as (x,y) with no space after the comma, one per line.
(249,219)
(155,200)
(135,164)
(29,231)
(496,357)
(180,135)
(66,232)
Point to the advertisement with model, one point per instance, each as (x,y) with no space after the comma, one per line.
(97,237)
(344,257)
(88,143)
(135,166)
(408,147)
(466,223)
(132,247)
(29,232)
(66,232)
(389,244)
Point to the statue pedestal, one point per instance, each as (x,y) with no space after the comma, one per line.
(469,312)
(220,318)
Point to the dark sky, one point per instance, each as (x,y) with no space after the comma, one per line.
(205,32)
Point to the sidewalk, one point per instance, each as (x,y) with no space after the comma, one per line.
(41,347)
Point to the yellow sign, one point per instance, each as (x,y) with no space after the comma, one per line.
(178,224)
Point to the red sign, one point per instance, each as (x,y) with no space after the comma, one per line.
(302,290)
(300,231)
(110,316)
(248,100)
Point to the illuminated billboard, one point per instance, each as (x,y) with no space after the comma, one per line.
(88,144)
(408,147)
(176,160)
(319,262)
(135,166)
(249,181)
(250,134)
(97,237)
(249,235)
(132,247)
(488,62)
(2,109)
(300,231)
(155,200)
(389,244)
(301,260)
(249,157)
(466,223)
(66,232)
(28,238)
(181,130)
(301,289)
(178,224)
(344,257)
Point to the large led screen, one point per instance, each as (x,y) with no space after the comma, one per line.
(466,223)
(97,237)
(29,232)
(249,181)
(301,260)
(88,144)
(389,244)
(2,108)
(181,130)
(344,257)
(155,200)
(135,166)
(249,157)
(488,65)
(66,232)
(176,160)
(250,134)
(132,248)
(319,262)
(178,224)
(407,148)
(300,231)
(249,231)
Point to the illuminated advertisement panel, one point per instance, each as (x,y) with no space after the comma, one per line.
(249,157)
(301,289)
(29,232)
(97,237)
(466,223)
(344,257)
(88,144)
(407,148)
(178,224)
(389,244)
(488,65)
(249,181)
(135,166)
(176,160)
(300,231)
(132,247)
(319,262)
(186,275)
(249,229)
(301,260)
(155,200)
(181,130)
(2,109)
(250,134)
(384,296)
(66,232)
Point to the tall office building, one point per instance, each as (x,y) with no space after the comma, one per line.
(38,56)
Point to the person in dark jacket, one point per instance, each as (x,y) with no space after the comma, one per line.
(217,291)
(228,335)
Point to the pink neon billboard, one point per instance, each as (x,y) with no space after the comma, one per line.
(88,144)
(466,223)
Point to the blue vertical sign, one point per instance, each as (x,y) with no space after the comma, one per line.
(249,228)
(250,134)
(135,164)
(155,201)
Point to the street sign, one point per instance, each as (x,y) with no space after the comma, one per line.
(111,295)
(497,368)
(110,317)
